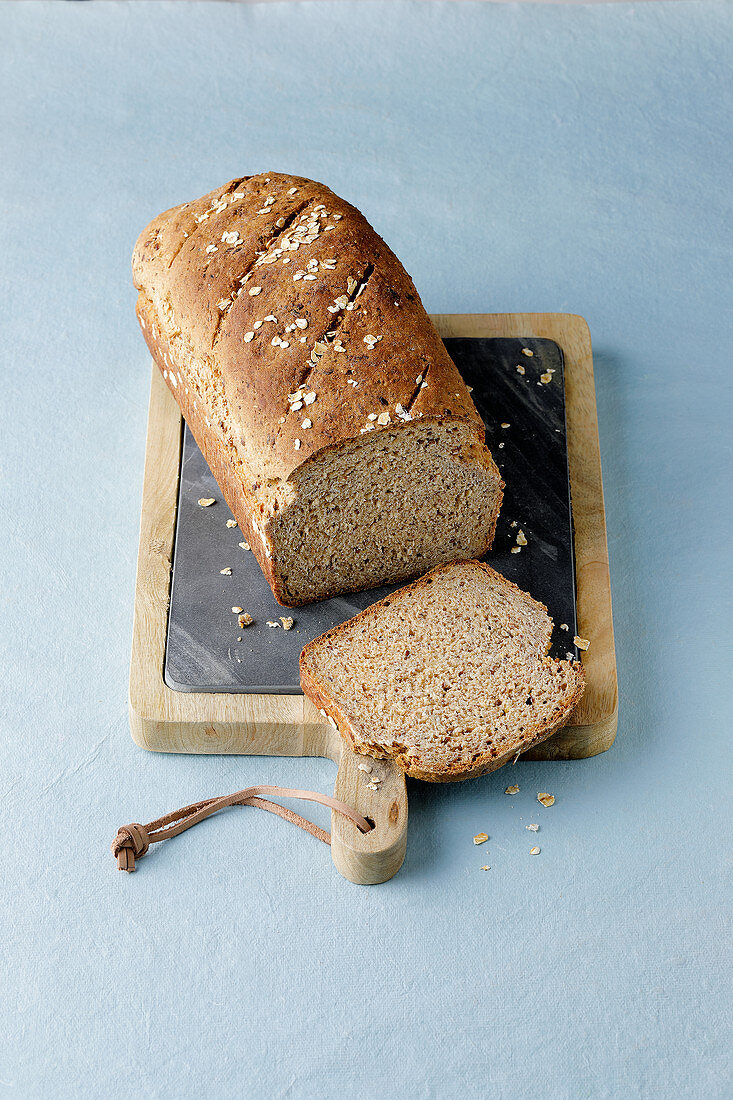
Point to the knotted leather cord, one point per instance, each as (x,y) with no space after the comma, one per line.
(132,841)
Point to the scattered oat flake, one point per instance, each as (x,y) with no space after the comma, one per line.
(506,425)
(514,789)
(546,799)
(206,502)
(287,622)
(271,623)
(245,546)
(528,352)
(521,538)
(481,838)
(236,610)
(545,378)
(516,550)
(248,336)
(533,828)
(226,572)
(520,368)
(245,620)
(564,626)
(231,523)
(254,291)
(581,643)
(534,851)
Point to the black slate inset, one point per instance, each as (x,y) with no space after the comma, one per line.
(203,652)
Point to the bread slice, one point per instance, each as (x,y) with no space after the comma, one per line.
(338,428)
(449,676)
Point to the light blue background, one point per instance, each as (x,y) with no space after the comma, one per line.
(516,158)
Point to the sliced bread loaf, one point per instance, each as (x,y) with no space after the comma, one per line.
(339,430)
(448,676)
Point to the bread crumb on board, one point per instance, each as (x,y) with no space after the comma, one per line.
(481,838)
(514,789)
(236,610)
(581,643)
(534,851)
(245,619)
(287,622)
(485,867)
(245,546)
(546,799)
(231,523)
(206,502)
(528,352)
(226,572)
(533,828)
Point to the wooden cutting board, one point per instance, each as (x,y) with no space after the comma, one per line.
(278,724)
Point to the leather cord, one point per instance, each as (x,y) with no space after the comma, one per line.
(132,841)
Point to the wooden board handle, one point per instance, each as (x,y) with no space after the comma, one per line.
(372,857)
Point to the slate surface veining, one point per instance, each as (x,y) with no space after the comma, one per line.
(203,651)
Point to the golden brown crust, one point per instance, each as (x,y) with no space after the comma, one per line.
(198,292)
(268,360)
(349,729)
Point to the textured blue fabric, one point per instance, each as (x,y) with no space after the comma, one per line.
(516,158)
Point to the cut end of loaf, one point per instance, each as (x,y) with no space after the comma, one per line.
(448,677)
(384,509)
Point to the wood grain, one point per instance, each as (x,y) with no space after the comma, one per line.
(163,720)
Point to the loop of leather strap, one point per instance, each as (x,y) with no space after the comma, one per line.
(133,841)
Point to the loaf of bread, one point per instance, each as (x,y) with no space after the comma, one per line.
(336,425)
(449,676)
